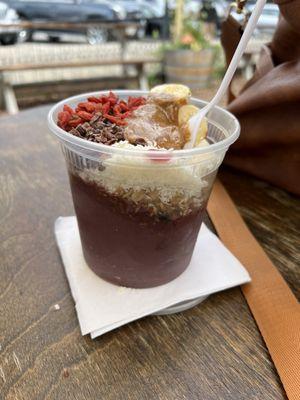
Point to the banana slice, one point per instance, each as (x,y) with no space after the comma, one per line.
(180,93)
(184,114)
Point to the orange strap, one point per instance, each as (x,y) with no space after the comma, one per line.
(272,303)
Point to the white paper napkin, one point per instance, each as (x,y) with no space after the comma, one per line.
(102,307)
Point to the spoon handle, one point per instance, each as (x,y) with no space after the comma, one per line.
(195,121)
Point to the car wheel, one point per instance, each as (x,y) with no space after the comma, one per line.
(54,39)
(141,32)
(24,36)
(9,39)
(96,35)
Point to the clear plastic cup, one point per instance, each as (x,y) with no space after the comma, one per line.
(139,211)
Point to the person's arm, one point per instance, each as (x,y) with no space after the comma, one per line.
(285,44)
(290,9)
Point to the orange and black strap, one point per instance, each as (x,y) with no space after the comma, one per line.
(271,301)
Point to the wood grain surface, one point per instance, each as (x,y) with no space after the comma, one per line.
(213,351)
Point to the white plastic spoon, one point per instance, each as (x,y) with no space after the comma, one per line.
(195,121)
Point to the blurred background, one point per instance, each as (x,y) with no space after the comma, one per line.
(51,49)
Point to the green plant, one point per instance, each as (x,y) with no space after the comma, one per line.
(219,63)
(191,38)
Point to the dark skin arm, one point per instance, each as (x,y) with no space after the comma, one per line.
(285,44)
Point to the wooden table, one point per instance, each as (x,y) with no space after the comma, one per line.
(213,351)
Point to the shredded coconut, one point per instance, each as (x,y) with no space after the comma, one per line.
(172,186)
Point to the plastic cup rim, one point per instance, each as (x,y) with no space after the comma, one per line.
(184,153)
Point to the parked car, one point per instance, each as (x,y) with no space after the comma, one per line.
(70,11)
(134,13)
(159,6)
(191,8)
(8,35)
(149,13)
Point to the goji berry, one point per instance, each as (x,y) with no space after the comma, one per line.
(85,115)
(117,109)
(121,122)
(123,106)
(89,107)
(94,99)
(104,99)
(105,108)
(112,95)
(114,120)
(110,106)
(68,109)
(129,101)
(74,122)
(98,107)
(125,114)
(63,118)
